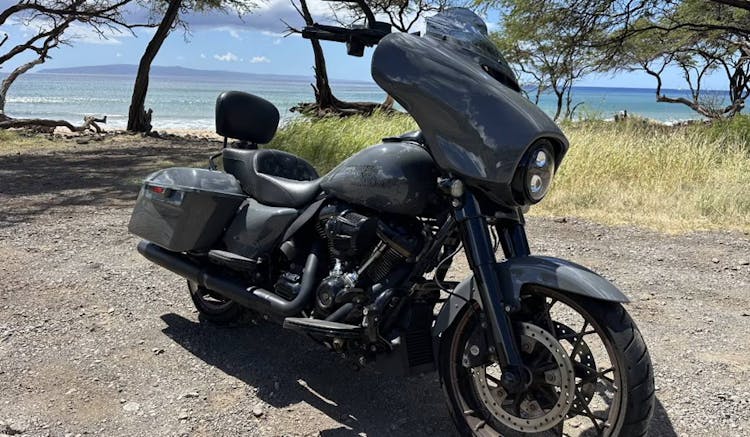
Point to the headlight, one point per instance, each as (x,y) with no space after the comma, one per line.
(534,174)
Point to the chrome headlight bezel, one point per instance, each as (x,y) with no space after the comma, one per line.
(534,174)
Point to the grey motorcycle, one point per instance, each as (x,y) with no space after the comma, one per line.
(357,259)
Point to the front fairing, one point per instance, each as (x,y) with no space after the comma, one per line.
(475,126)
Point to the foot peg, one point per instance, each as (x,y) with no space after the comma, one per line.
(323,327)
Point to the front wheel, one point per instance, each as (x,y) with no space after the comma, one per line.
(590,371)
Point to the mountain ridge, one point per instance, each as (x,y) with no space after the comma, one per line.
(175,71)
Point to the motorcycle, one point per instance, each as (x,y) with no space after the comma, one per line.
(357,259)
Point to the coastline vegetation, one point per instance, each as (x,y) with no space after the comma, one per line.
(669,178)
(633,172)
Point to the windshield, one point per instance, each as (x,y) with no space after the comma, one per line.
(467,30)
(465,99)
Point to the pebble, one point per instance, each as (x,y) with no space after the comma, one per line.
(257,411)
(183,415)
(715,260)
(131,407)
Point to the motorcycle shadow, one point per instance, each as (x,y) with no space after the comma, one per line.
(287,368)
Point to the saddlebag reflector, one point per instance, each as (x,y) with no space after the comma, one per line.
(185,209)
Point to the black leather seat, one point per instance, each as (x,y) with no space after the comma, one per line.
(273,177)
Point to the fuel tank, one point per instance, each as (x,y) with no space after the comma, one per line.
(391,177)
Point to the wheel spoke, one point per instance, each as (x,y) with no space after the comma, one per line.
(546,394)
(517,405)
(550,322)
(606,378)
(579,340)
(552,303)
(492,378)
(588,413)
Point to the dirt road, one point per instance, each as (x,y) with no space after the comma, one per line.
(94,340)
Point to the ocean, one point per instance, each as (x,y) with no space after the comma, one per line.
(181,102)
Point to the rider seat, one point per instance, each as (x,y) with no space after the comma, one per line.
(273,177)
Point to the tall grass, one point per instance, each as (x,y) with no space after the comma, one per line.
(326,142)
(668,178)
(672,179)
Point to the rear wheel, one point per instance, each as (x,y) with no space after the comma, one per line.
(214,307)
(590,370)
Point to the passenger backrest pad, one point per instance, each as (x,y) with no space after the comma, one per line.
(246,117)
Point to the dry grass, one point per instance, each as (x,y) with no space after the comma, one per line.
(326,142)
(11,142)
(670,179)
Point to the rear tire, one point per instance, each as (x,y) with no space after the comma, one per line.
(213,307)
(631,406)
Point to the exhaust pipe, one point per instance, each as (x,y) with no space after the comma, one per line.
(252,297)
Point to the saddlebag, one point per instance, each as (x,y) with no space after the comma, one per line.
(185,209)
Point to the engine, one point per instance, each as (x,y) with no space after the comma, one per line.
(364,250)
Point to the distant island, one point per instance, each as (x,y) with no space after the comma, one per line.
(175,71)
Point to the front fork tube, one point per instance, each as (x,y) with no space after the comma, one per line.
(495,299)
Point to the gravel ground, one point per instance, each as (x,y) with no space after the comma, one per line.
(94,340)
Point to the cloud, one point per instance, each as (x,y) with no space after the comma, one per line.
(267,16)
(118,54)
(260,60)
(233,32)
(76,32)
(203,56)
(227,57)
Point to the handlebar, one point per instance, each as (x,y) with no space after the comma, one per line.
(356,38)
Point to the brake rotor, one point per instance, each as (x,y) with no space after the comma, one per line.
(553,377)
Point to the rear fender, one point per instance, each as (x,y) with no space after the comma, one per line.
(516,273)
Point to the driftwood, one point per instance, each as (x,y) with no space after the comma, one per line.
(89,123)
(336,107)
(313,109)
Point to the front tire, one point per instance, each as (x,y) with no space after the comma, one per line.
(213,307)
(611,371)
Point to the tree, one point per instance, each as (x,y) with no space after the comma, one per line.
(53,20)
(139,119)
(547,49)
(698,38)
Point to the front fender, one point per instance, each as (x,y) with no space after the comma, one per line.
(545,271)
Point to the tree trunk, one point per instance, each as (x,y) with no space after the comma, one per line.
(139,120)
(388,103)
(8,81)
(559,95)
(323,94)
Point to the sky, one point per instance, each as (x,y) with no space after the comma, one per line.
(254,43)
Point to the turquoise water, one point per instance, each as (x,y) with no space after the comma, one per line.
(188,103)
